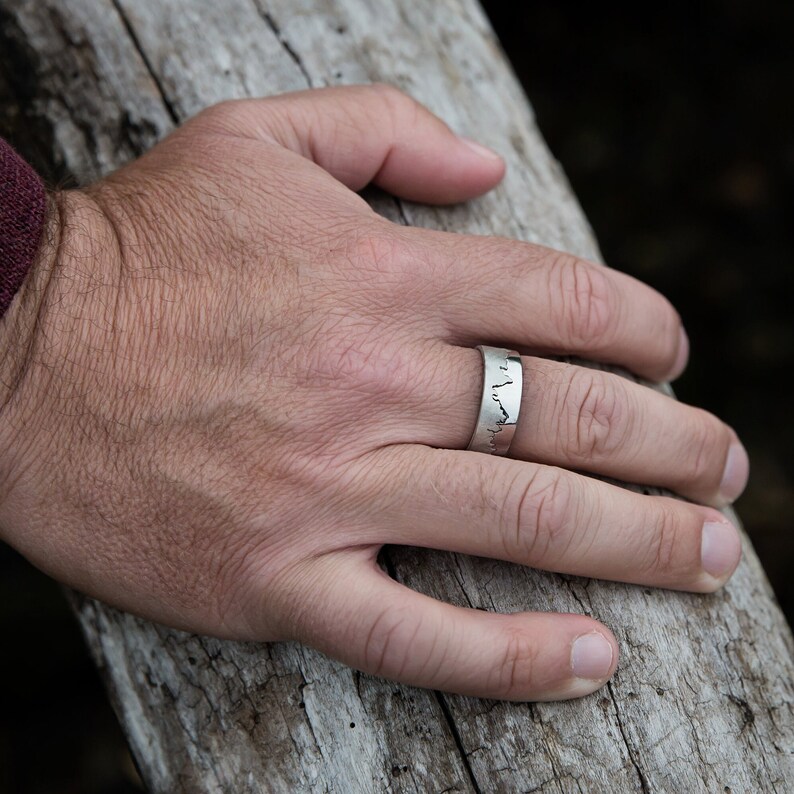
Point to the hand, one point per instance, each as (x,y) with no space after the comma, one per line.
(231,382)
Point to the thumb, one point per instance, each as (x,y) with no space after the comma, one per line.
(369,133)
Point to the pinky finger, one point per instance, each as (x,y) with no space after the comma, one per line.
(373,623)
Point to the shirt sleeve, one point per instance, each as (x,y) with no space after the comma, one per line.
(23,204)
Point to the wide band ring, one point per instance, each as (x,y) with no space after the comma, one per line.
(503,381)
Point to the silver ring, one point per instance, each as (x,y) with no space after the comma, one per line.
(503,380)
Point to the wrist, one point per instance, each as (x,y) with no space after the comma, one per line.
(49,320)
(18,331)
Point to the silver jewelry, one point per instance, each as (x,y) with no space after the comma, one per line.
(503,381)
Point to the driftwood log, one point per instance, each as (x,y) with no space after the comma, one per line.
(703,697)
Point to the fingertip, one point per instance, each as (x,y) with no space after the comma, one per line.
(720,553)
(735,474)
(682,356)
(441,169)
(488,167)
(593,658)
(483,153)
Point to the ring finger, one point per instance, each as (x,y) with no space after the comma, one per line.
(598,422)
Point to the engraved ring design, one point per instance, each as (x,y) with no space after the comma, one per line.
(501,400)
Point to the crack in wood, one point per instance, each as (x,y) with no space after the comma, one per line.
(167,104)
(629,749)
(288,48)
(453,729)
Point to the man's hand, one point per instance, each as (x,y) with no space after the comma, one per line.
(233,382)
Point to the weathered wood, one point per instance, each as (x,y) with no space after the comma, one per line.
(703,697)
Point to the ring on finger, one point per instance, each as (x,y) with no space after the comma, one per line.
(501,401)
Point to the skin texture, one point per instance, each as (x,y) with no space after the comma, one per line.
(229,382)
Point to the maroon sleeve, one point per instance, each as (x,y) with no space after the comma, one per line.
(23,205)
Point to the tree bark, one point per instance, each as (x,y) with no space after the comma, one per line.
(703,697)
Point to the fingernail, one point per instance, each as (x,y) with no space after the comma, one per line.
(720,549)
(591,656)
(479,149)
(682,357)
(737,470)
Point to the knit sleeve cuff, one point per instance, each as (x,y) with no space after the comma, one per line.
(23,204)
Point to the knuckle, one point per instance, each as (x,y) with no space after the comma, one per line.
(514,673)
(663,549)
(535,516)
(388,642)
(353,365)
(396,101)
(398,108)
(374,249)
(666,329)
(709,442)
(593,415)
(585,300)
(392,271)
(344,355)
(222,116)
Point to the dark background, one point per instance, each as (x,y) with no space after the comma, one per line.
(674,127)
